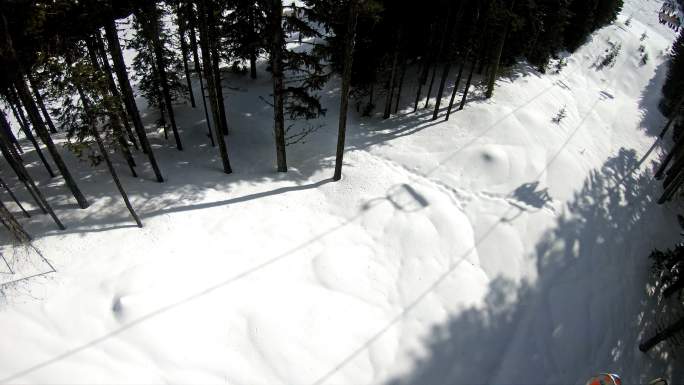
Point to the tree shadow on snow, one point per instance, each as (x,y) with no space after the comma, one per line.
(587,310)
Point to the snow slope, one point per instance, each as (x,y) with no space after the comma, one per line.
(497,247)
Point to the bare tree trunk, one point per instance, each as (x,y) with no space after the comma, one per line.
(401,85)
(497,58)
(152,33)
(432,83)
(15,163)
(439,54)
(467,86)
(458,83)
(668,332)
(219,84)
(252,48)
(114,90)
(350,40)
(211,82)
(117,128)
(127,91)
(41,130)
(252,63)
(427,63)
(14,198)
(27,131)
(277,45)
(41,104)
(198,68)
(15,142)
(440,92)
(392,80)
(184,53)
(105,155)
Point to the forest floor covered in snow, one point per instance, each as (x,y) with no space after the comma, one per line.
(497,247)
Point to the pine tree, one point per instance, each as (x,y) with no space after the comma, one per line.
(244,27)
(153,53)
(84,77)
(15,162)
(182,23)
(11,95)
(127,92)
(205,12)
(350,38)
(41,130)
(192,21)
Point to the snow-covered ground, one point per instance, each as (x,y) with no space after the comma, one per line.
(498,247)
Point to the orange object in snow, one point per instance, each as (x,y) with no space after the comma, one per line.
(605,379)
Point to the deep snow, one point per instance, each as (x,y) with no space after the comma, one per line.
(498,247)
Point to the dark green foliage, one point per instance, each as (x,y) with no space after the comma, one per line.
(673,89)
(535,30)
(668,266)
(243,28)
(145,66)
(588,15)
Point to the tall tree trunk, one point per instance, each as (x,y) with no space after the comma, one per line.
(252,48)
(661,336)
(432,83)
(440,52)
(193,46)
(350,40)
(467,86)
(117,127)
(114,90)
(211,81)
(27,131)
(92,122)
(13,138)
(14,198)
(421,83)
(277,45)
(152,33)
(427,61)
(671,187)
(445,53)
(15,163)
(493,72)
(401,85)
(20,122)
(458,83)
(41,130)
(440,91)
(41,104)
(392,80)
(252,63)
(215,57)
(184,53)
(13,226)
(660,172)
(127,92)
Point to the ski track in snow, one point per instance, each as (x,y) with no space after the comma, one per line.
(428,263)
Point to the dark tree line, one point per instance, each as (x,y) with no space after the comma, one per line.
(668,265)
(69,53)
(671,169)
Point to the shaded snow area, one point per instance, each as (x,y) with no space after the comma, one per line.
(498,247)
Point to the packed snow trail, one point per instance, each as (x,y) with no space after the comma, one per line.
(497,247)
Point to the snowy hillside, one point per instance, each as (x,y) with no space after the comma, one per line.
(497,247)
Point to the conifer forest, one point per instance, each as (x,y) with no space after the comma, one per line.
(342,191)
